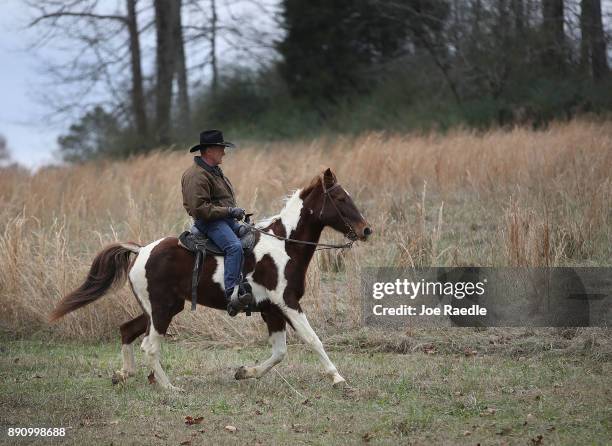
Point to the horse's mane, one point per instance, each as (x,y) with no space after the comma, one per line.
(269,220)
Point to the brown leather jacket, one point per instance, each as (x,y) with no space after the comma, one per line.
(207,193)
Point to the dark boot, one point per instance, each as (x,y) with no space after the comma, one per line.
(241,301)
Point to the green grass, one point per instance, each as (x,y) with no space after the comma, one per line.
(416,398)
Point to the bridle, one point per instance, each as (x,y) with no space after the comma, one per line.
(350,234)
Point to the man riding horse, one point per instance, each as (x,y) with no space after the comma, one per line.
(208,197)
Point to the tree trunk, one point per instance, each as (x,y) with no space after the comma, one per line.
(518,8)
(593,53)
(181,70)
(213,46)
(164,13)
(599,54)
(553,54)
(585,36)
(138,101)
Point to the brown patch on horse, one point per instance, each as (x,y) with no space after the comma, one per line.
(278,228)
(168,273)
(266,272)
(132,329)
(300,257)
(274,318)
(109,269)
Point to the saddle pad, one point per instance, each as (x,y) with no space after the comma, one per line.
(199,242)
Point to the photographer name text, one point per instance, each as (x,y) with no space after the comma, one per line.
(446,310)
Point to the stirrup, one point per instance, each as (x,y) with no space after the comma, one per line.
(243,300)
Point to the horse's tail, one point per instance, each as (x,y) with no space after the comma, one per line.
(108,269)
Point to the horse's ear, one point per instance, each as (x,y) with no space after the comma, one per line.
(329,178)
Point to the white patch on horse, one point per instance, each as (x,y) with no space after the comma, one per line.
(278,340)
(217,276)
(290,214)
(129,364)
(260,293)
(307,334)
(138,276)
(275,248)
(151,346)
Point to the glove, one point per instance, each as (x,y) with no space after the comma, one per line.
(237,213)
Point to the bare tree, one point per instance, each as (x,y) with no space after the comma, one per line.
(593,53)
(553,33)
(213,46)
(165,66)
(100,58)
(518,9)
(181,69)
(138,100)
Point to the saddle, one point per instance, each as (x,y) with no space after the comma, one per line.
(195,241)
(199,244)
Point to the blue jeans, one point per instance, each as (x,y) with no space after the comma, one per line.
(223,233)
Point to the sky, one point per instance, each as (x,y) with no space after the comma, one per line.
(30,141)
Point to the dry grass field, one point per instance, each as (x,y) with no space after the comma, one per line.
(499,198)
(492,199)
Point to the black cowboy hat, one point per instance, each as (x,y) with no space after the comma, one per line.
(211,138)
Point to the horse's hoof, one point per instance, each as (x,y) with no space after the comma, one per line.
(339,381)
(242,373)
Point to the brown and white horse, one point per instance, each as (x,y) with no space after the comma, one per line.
(160,277)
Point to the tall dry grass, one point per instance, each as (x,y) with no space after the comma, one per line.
(500,198)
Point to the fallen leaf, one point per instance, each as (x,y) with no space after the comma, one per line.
(467,433)
(152,379)
(537,440)
(469,352)
(230,428)
(186,443)
(190,420)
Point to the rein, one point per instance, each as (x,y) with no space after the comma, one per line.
(319,246)
(302,242)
